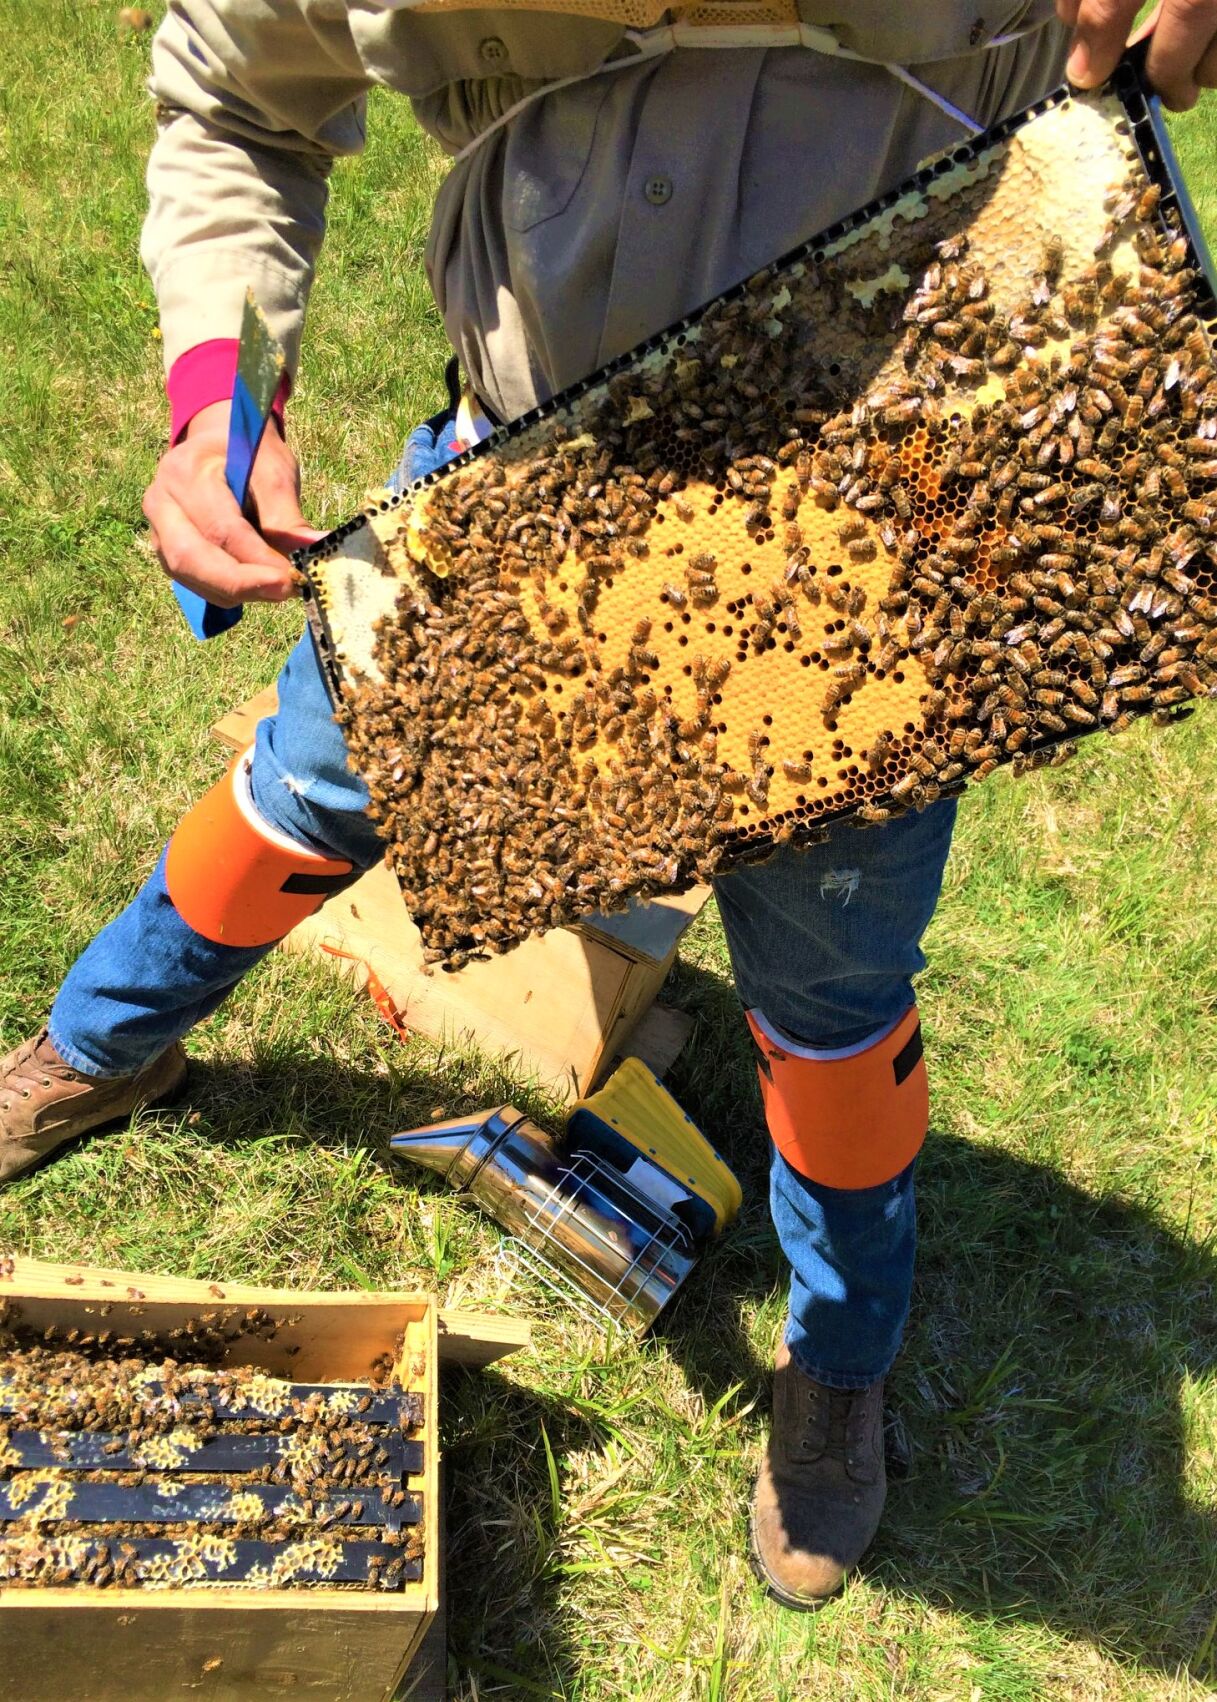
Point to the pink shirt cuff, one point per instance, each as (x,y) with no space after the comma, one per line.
(207,373)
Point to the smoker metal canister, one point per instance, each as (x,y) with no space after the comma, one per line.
(623,1250)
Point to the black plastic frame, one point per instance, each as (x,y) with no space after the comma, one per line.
(1150,138)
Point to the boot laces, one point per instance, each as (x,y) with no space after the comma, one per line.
(836,1425)
(28,1071)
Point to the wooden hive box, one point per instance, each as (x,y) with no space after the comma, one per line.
(84,1644)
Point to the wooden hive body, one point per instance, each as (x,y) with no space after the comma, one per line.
(232,1644)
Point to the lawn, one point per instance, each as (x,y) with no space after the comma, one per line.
(1052,1532)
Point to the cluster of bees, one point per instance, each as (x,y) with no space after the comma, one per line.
(317,1465)
(1035,487)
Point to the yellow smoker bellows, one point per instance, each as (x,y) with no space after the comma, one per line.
(935,493)
(639,1107)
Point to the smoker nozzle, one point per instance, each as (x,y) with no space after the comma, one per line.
(457,1147)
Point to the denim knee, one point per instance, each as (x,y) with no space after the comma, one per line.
(300,778)
(826,940)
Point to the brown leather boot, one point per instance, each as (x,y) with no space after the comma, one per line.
(44,1103)
(821,1488)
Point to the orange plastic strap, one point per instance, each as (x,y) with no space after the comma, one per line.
(376,989)
(848,1121)
(235,879)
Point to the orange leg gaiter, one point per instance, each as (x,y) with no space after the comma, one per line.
(846,1121)
(235,879)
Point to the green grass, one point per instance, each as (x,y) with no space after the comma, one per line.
(1054,1531)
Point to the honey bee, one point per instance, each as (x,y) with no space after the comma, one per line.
(1148,202)
(850,674)
(906,789)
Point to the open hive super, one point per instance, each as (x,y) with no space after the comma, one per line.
(141,1461)
(936,493)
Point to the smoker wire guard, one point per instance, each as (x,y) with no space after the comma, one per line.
(1151,142)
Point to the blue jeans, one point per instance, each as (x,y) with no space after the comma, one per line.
(824,941)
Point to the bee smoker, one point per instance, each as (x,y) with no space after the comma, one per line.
(602,1218)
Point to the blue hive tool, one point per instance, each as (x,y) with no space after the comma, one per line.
(260,364)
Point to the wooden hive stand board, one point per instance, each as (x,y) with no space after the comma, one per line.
(83,1644)
(567,1005)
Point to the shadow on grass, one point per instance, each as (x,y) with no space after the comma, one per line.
(1047,1388)
(1041,1401)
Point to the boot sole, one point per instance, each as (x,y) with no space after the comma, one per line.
(171,1096)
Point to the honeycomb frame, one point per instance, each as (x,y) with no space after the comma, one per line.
(896,722)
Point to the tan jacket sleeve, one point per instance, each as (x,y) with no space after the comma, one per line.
(255,99)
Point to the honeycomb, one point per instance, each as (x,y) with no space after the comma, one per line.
(937,492)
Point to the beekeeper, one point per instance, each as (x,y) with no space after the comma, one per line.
(613,166)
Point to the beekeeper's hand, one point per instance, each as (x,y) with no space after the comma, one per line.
(202,539)
(1182,55)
